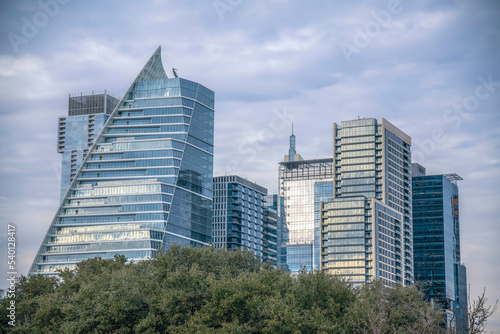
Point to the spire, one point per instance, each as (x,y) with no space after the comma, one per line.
(291,150)
(153,70)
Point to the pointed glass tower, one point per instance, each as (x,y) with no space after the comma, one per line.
(147,180)
(292,153)
(291,150)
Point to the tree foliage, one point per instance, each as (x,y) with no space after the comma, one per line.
(203,290)
(399,309)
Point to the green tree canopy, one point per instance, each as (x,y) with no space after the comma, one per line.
(204,290)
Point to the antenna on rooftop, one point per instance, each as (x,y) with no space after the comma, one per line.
(174,70)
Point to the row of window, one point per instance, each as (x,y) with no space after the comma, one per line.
(345,257)
(106,236)
(119,245)
(156,84)
(345,249)
(344,234)
(108,255)
(123,173)
(159,102)
(345,264)
(132,164)
(120,226)
(116,209)
(137,155)
(164,92)
(110,219)
(369,142)
(162,128)
(343,227)
(142,145)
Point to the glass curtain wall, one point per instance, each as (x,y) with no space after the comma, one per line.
(147,181)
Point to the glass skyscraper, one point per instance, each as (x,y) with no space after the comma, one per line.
(87,115)
(145,183)
(303,184)
(437,242)
(366,230)
(241,219)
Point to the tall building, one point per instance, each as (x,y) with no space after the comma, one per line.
(241,219)
(367,226)
(272,227)
(147,180)
(437,242)
(303,184)
(87,115)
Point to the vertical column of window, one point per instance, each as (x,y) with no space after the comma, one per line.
(73,165)
(337,174)
(380,153)
(90,131)
(371,234)
(378,164)
(62,134)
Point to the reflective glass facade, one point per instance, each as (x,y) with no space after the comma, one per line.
(323,191)
(303,185)
(344,240)
(87,115)
(437,241)
(460,304)
(240,220)
(360,238)
(371,161)
(145,183)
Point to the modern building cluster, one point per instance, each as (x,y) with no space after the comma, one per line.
(351,214)
(137,176)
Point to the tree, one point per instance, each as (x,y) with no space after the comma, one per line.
(380,309)
(205,290)
(477,316)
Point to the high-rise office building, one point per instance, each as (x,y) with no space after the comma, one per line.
(303,184)
(87,115)
(437,243)
(145,183)
(272,227)
(241,219)
(367,226)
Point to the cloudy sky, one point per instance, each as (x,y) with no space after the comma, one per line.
(431,69)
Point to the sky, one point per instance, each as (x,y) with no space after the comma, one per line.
(429,67)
